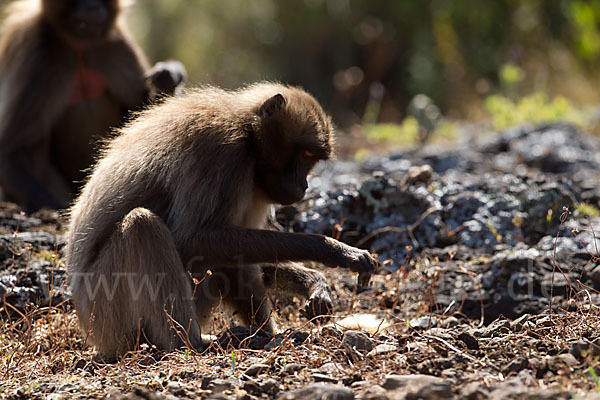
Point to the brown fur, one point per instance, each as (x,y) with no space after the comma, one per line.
(47,139)
(182,190)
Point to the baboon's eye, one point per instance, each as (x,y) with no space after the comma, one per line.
(307,155)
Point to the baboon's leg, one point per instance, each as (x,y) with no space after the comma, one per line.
(138,279)
(294,279)
(248,296)
(212,290)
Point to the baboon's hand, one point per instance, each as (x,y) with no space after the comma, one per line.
(356,260)
(166,76)
(319,304)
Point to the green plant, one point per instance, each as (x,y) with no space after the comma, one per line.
(407,132)
(361,154)
(587,209)
(594,377)
(494,231)
(48,255)
(585,19)
(510,75)
(533,108)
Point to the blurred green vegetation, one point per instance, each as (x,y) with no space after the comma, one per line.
(532,108)
(407,131)
(588,210)
(350,53)
(366,60)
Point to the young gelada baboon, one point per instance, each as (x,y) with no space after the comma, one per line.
(186,188)
(68,73)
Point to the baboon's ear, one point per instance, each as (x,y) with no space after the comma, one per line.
(272,106)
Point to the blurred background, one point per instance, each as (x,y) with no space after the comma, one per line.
(371,62)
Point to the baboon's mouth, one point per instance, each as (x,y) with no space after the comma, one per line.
(89,29)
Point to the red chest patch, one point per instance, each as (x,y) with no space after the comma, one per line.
(87,84)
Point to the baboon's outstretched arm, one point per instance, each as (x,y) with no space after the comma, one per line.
(252,246)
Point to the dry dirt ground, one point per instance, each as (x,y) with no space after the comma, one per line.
(389,341)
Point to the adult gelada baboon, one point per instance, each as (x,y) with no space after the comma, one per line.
(68,72)
(185,188)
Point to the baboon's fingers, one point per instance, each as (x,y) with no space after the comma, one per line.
(364,279)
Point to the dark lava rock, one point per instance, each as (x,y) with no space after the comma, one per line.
(17,222)
(268,387)
(357,340)
(469,340)
(292,368)
(585,348)
(516,365)
(561,362)
(221,384)
(466,203)
(25,282)
(419,386)
(319,391)
(256,369)
(502,204)
(552,148)
(243,337)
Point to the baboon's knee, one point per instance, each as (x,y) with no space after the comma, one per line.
(139,218)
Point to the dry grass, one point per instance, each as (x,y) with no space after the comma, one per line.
(42,350)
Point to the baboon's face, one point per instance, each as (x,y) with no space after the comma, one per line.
(82,19)
(296,135)
(287,185)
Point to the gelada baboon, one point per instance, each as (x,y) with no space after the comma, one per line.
(186,188)
(68,72)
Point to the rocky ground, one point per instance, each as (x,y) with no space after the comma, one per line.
(489,288)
